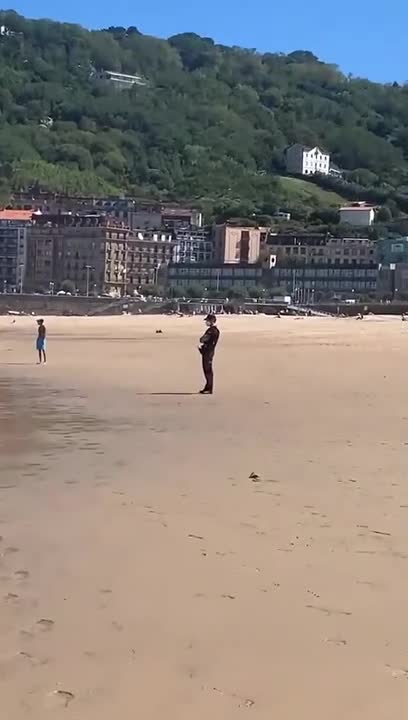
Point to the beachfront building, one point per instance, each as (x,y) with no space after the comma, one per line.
(14,226)
(238,244)
(193,245)
(321,265)
(213,276)
(136,259)
(69,247)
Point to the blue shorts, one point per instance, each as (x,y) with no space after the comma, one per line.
(41,344)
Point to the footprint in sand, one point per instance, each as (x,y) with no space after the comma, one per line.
(59,699)
(10,551)
(44,625)
(335,641)
(22,574)
(398,672)
(329,611)
(28,657)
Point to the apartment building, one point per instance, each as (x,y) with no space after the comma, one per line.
(214,276)
(303,160)
(237,244)
(14,226)
(69,247)
(319,249)
(136,260)
(193,245)
(326,265)
(163,216)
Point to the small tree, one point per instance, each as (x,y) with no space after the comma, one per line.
(256,291)
(195,291)
(68,286)
(237,292)
(384,215)
(149,290)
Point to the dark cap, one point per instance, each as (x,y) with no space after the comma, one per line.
(40,320)
(210,318)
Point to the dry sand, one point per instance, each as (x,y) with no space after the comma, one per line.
(143,574)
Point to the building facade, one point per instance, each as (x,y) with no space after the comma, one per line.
(357,214)
(122,81)
(68,247)
(14,226)
(322,265)
(303,160)
(237,244)
(193,245)
(136,260)
(94,255)
(214,276)
(155,217)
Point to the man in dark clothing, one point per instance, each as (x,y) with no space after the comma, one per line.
(207,349)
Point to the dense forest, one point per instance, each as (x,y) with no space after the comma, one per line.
(210,124)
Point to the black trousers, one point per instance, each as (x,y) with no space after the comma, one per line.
(207,359)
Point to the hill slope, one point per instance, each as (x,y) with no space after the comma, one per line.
(211,122)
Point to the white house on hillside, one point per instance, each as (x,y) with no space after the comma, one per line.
(358,214)
(302,160)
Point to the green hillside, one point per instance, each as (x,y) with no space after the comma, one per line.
(210,123)
(294,190)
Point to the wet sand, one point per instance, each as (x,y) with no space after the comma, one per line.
(144,573)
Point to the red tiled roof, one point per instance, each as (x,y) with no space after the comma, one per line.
(23,215)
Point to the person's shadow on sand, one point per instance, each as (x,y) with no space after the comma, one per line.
(165,393)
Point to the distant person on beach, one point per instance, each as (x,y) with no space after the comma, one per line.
(41,341)
(208,343)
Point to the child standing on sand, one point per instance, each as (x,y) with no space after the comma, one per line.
(42,342)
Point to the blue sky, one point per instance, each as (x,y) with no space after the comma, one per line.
(364,37)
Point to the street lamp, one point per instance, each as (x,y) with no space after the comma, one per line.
(88,270)
(218,279)
(21,267)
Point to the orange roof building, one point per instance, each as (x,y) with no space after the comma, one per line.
(22,216)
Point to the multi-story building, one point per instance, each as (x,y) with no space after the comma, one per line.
(163,216)
(13,249)
(358,214)
(236,244)
(303,160)
(95,255)
(214,276)
(69,247)
(321,264)
(392,250)
(393,268)
(137,259)
(193,245)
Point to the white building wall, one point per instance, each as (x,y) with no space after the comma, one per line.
(359,217)
(303,161)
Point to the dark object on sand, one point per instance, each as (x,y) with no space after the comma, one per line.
(159,332)
(254,477)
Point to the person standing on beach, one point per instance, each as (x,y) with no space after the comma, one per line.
(207,349)
(42,341)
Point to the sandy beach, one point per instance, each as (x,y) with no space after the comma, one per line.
(145,574)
